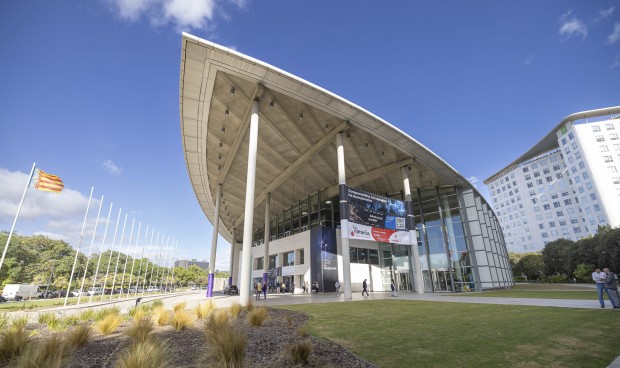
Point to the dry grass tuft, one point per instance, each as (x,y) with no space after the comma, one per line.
(181,319)
(109,324)
(203,310)
(235,310)
(300,352)
(51,320)
(157,303)
(179,306)
(52,352)
(257,316)
(79,335)
(151,353)
(14,340)
(137,313)
(226,348)
(87,315)
(101,314)
(250,306)
(289,320)
(19,322)
(303,331)
(161,316)
(140,330)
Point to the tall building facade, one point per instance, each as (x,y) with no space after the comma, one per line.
(184,263)
(564,187)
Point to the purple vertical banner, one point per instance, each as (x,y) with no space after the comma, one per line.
(229,280)
(210,287)
(324,258)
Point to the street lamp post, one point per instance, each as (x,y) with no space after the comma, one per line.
(323,246)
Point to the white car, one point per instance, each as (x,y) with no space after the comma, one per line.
(152,289)
(95,291)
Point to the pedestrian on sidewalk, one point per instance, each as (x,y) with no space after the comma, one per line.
(599,278)
(393,286)
(611,288)
(265,289)
(365,288)
(259,290)
(337,287)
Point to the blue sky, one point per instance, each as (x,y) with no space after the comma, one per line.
(89,90)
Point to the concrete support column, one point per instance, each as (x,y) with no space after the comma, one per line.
(266,239)
(418,277)
(232,256)
(344,222)
(216,226)
(248,219)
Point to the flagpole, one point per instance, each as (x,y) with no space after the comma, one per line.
(153,266)
(118,256)
(163,271)
(133,262)
(90,250)
(19,208)
(146,271)
(127,257)
(105,232)
(176,252)
(146,234)
(107,272)
(77,251)
(168,265)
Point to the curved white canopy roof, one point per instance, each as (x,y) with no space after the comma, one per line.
(296,144)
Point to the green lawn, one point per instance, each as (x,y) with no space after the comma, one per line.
(542,291)
(401,333)
(46,303)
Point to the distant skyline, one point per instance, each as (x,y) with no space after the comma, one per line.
(90,90)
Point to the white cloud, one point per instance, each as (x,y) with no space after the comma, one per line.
(183,14)
(529,60)
(111,167)
(616,62)
(572,26)
(605,13)
(473,180)
(615,35)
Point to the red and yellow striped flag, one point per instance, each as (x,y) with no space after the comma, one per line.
(46,182)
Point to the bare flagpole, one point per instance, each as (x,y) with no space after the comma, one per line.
(127,257)
(146,271)
(163,271)
(19,208)
(146,234)
(176,252)
(118,257)
(153,267)
(92,240)
(133,262)
(105,281)
(167,263)
(105,232)
(77,251)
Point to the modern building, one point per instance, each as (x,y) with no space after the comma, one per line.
(184,263)
(566,186)
(310,188)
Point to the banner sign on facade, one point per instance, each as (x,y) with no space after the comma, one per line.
(376,211)
(363,232)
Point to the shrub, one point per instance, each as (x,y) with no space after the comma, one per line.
(49,353)
(49,319)
(140,330)
(181,319)
(179,306)
(554,279)
(257,316)
(4,321)
(79,335)
(14,341)
(150,353)
(303,331)
(19,322)
(161,316)
(235,310)
(226,347)
(300,352)
(109,324)
(86,315)
(69,320)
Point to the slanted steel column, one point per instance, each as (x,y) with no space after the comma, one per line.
(417,268)
(344,222)
(248,220)
(216,225)
(266,239)
(232,256)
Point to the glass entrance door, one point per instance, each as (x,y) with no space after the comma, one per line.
(441,279)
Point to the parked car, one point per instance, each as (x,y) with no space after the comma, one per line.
(50,294)
(232,289)
(2,300)
(20,291)
(95,291)
(152,289)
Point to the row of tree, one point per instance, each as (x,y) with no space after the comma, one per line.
(40,260)
(566,260)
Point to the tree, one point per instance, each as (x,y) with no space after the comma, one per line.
(531,265)
(556,257)
(583,272)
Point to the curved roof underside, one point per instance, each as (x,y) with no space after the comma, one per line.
(296,156)
(550,141)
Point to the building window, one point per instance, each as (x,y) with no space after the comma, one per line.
(526,169)
(546,207)
(556,204)
(604,148)
(612,169)
(600,138)
(289,259)
(613,136)
(609,126)
(567,202)
(273,261)
(596,128)
(301,256)
(260,263)
(536,174)
(541,226)
(608,159)
(616,180)
(571,136)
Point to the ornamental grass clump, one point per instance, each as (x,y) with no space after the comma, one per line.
(161,316)
(203,310)
(13,341)
(151,353)
(79,335)
(52,352)
(140,330)
(181,319)
(109,324)
(51,320)
(103,313)
(157,303)
(303,331)
(179,306)
(235,310)
(225,347)
(300,352)
(257,316)
(86,316)
(137,313)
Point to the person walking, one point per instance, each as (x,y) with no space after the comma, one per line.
(365,288)
(259,290)
(393,286)
(265,289)
(599,279)
(337,287)
(611,288)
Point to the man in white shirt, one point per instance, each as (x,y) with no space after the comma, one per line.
(599,279)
